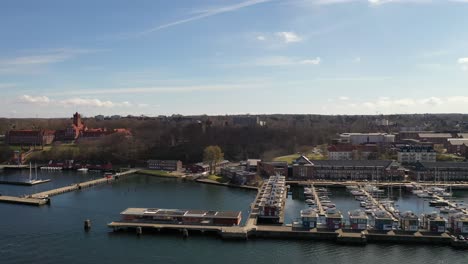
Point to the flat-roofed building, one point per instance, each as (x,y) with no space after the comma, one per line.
(165,165)
(409,221)
(179,216)
(413,154)
(267,169)
(367,138)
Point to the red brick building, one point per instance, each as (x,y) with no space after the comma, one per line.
(30,137)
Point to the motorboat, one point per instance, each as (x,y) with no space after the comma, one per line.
(83,169)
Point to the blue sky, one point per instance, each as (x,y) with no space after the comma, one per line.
(233,57)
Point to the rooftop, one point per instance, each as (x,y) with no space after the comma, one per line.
(435,135)
(181,212)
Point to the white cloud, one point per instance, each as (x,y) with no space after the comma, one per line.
(357,60)
(288,37)
(463,60)
(282,61)
(343,98)
(208,13)
(261,38)
(92,103)
(315,61)
(34,99)
(463,63)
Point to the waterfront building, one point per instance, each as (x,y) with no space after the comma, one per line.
(309,218)
(272,199)
(334,219)
(435,223)
(459,223)
(184,217)
(413,154)
(440,171)
(409,221)
(265,169)
(379,170)
(165,165)
(358,220)
(252,164)
(238,174)
(383,221)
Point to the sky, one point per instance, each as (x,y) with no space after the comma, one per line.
(220,57)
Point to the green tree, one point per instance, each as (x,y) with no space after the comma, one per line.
(213,155)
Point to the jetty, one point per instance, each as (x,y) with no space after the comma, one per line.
(318,203)
(25,183)
(43,198)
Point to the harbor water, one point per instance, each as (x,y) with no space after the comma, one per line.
(54,234)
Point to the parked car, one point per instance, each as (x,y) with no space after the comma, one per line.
(460,237)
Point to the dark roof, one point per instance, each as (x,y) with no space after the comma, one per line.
(353,163)
(431,165)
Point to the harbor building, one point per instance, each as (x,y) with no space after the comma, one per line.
(440,171)
(413,154)
(383,221)
(165,165)
(358,220)
(182,217)
(309,218)
(409,221)
(459,223)
(334,219)
(265,169)
(380,170)
(435,223)
(457,146)
(272,198)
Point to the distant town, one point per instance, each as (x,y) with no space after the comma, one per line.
(272,155)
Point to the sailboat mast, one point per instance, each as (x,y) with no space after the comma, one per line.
(30,171)
(35,166)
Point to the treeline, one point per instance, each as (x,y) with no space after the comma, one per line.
(185,138)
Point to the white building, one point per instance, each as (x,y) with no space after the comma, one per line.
(412,154)
(366,138)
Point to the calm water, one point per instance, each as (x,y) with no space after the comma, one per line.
(54,234)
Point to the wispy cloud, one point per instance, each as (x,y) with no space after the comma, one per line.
(166,89)
(208,13)
(71,102)
(27,63)
(288,36)
(33,99)
(271,61)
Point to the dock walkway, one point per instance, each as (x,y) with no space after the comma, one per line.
(317,200)
(42,198)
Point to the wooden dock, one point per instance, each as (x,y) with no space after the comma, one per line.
(44,197)
(25,183)
(317,201)
(21,200)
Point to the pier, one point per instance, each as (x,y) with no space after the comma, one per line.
(42,198)
(378,204)
(25,183)
(23,200)
(317,200)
